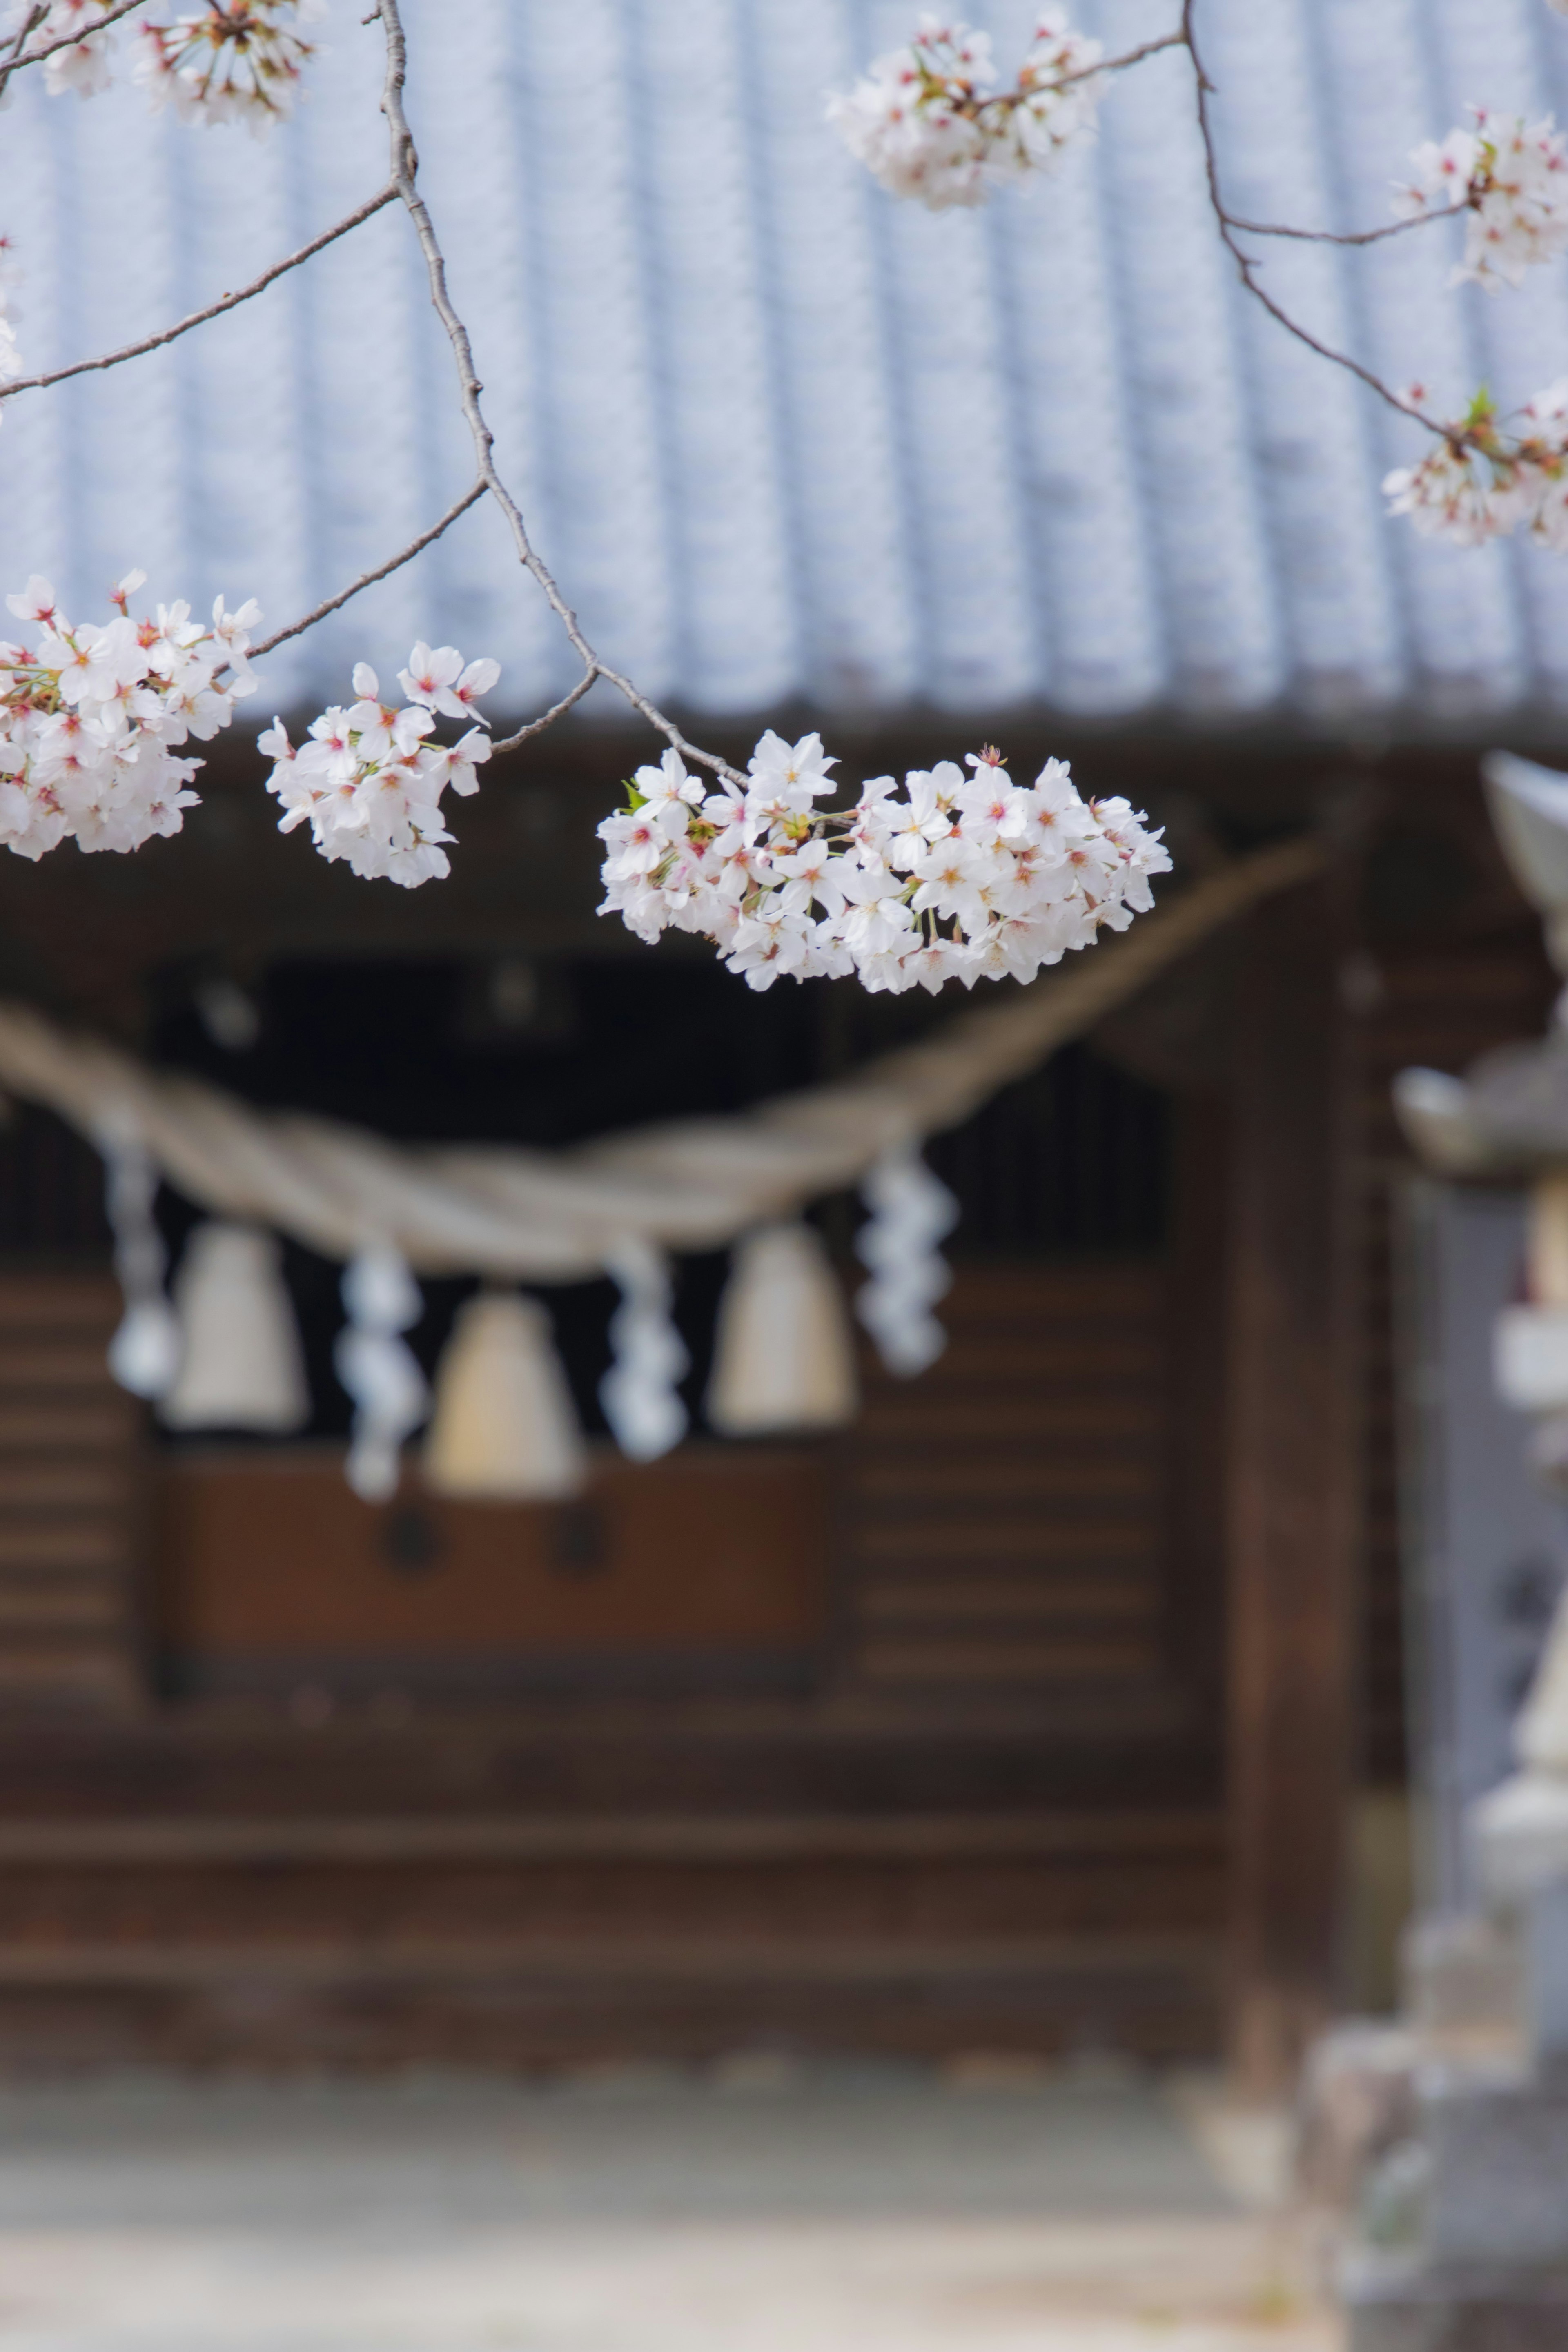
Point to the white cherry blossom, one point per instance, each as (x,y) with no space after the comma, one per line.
(368,783)
(931,120)
(230,61)
(90,715)
(958,875)
(1479,483)
(1510,178)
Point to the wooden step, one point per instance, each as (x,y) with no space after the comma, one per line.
(493,2006)
(785,1895)
(1046,1839)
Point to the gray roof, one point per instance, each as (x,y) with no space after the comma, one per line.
(782,438)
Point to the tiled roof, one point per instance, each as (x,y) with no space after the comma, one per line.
(781,438)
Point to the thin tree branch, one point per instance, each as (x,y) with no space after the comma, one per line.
(64,40)
(388,196)
(1176,40)
(1342,237)
(368,579)
(1246,265)
(556,711)
(28,25)
(404,172)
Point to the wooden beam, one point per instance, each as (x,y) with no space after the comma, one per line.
(1292,1505)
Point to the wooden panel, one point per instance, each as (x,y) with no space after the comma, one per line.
(1006,1511)
(1159,1997)
(551,1937)
(268,1564)
(70,1499)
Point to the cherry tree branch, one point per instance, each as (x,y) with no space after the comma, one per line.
(1231,229)
(368,579)
(1336,236)
(405,173)
(388,196)
(15,63)
(558,710)
(1176,40)
(31,20)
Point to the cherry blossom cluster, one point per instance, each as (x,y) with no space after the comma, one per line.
(956,875)
(241,62)
(931,121)
(1481,483)
(1512,179)
(90,714)
(231,61)
(367,782)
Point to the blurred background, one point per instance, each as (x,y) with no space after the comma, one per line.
(968,1818)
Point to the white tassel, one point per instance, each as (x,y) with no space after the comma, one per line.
(638,1391)
(379,1370)
(783,1359)
(504,1428)
(240,1366)
(144,1353)
(910,1211)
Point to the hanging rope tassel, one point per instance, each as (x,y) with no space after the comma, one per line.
(638,1391)
(912,1210)
(783,1359)
(378,1368)
(240,1365)
(504,1428)
(144,1353)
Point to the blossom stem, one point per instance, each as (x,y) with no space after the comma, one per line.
(405,176)
(1246,265)
(384,196)
(470,497)
(556,711)
(1004,99)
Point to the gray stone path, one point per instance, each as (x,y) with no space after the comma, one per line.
(750,2212)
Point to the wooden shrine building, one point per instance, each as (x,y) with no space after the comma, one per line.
(1048,1706)
(1058,1704)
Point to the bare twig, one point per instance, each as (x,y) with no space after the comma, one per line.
(14,64)
(388,196)
(1339,236)
(28,25)
(556,711)
(1246,265)
(1176,40)
(404,172)
(368,579)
